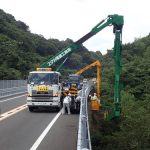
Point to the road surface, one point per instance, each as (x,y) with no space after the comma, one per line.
(41,130)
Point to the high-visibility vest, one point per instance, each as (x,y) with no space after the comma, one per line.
(95,105)
(73,91)
(65,93)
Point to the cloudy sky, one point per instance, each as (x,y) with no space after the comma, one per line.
(72,19)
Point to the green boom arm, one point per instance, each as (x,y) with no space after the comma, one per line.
(117,22)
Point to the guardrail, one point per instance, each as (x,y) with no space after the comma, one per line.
(84,141)
(12,87)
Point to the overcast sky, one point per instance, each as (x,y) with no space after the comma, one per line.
(72,19)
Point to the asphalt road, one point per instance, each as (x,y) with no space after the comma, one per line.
(23,129)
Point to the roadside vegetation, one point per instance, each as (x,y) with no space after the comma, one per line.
(132,130)
(22,51)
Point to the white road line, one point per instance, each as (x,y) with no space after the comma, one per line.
(41,137)
(12,98)
(12,112)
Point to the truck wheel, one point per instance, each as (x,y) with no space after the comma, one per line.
(61,101)
(57,109)
(31,109)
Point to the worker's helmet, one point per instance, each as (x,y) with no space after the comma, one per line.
(69,94)
(73,85)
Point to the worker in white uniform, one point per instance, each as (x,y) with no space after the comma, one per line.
(66,103)
(77,102)
(95,98)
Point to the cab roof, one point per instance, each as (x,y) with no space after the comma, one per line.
(45,72)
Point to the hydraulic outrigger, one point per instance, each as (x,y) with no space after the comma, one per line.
(117,22)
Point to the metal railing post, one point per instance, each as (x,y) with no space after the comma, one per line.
(12,87)
(84,142)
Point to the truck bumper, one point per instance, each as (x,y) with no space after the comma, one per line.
(52,102)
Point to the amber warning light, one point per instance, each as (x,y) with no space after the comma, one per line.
(44,69)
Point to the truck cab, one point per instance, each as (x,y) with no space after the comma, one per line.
(44,89)
(74,80)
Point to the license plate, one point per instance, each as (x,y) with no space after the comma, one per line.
(42,103)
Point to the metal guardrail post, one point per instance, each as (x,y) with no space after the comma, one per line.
(12,87)
(84,142)
(83,118)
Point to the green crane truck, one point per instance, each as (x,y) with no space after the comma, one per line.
(112,20)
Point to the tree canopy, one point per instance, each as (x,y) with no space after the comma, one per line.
(132,130)
(23,51)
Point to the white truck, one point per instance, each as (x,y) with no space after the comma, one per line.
(44,89)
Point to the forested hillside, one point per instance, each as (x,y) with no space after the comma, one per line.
(132,130)
(22,51)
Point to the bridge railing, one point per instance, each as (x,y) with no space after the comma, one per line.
(12,87)
(84,141)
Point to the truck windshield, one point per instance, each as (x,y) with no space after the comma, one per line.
(43,78)
(74,79)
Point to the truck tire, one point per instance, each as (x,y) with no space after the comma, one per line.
(58,109)
(31,108)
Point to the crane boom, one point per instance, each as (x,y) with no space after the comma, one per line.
(98,64)
(115,20)
(112,20)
